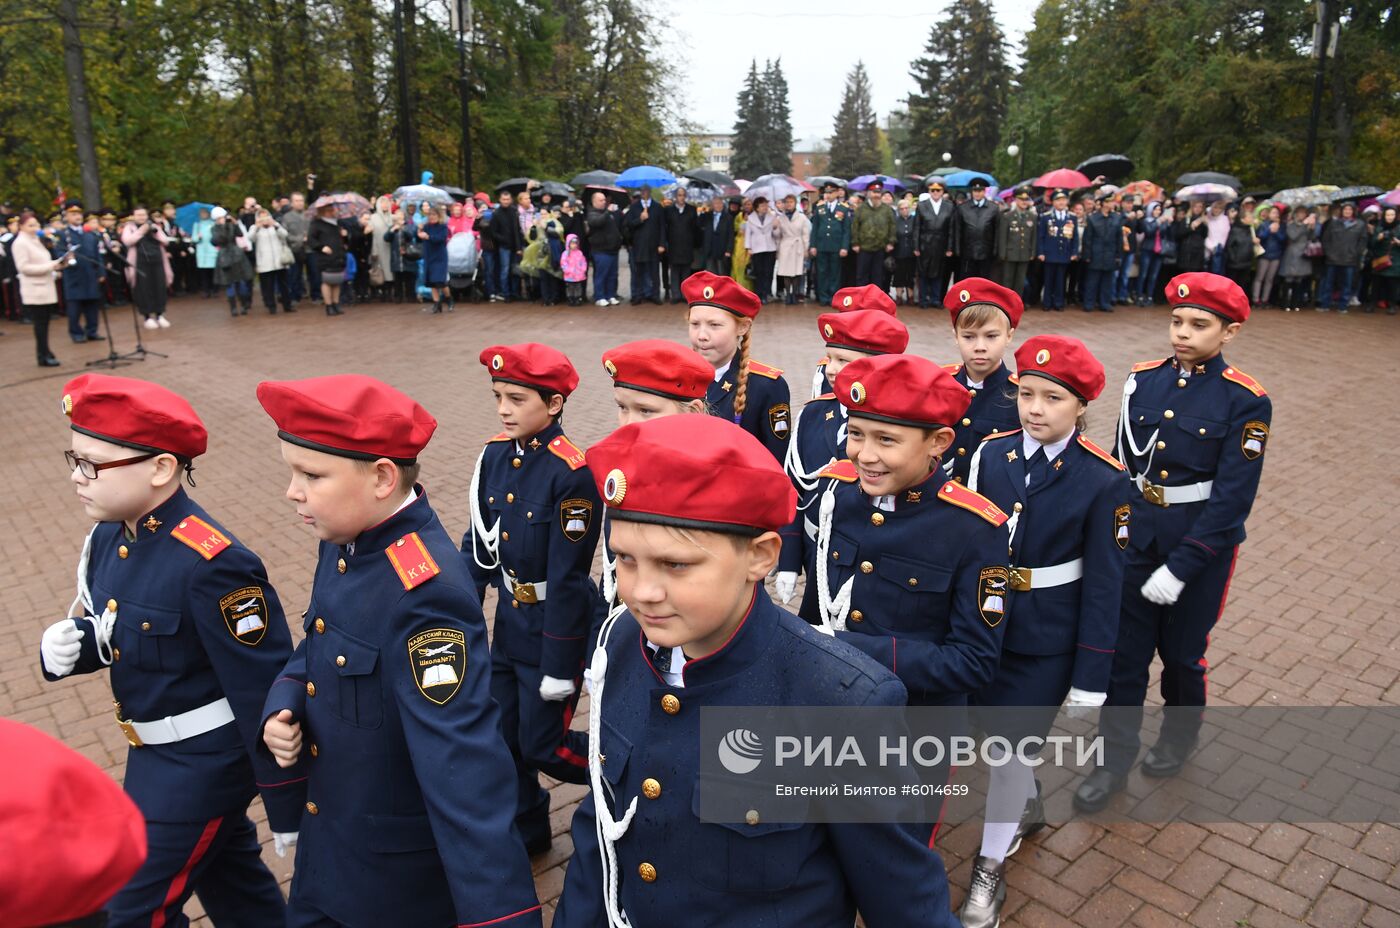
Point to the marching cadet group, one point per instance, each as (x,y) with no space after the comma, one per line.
(962,542)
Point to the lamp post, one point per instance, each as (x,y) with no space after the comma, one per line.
(947,157)
(1324,47)
(462,12)
(1016,151)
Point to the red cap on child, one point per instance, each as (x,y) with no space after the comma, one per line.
(973,290)
(348,415)
(903,389)
(531,364)
(134,413)
(868,330)
(705,289)
(657,366)
(1064,360)
(1210,292)
(693,472)
(70,837)
(869,296)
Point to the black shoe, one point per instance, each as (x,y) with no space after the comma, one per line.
(48,361)
(1167,757)
(636,301)
(1105,309)
(93,336)
(78,339)
(272,310)
(1098,788)
(288,308)
(656,300)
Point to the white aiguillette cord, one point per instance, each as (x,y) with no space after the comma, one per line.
(489,538)
(102,627)
(607,829)
(833,609)
(1125,430)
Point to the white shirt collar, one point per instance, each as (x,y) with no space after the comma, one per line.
(1052,450)
(974,384)
(676,675)
(407,501)
(721,371)
(884,502)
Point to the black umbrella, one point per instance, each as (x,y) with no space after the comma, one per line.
(1112,167)
(614,194)
(599,178)
(1347,194)
(821,179)
(1210,177)
(557,188)
(457,193)
(716,179)
(515,184)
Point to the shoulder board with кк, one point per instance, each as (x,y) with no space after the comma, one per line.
(1002,434)
(411,560)
(764,370)
(567,451)
(844,471)
(1101,454)
(1235,375)
(972,501)
(201,536)
(1148,365)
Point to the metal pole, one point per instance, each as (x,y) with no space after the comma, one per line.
(464,89)
(1320,44)
(410,159)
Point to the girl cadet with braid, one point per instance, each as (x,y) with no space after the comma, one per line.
(747,392)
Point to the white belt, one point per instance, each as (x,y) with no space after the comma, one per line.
(523,591)
(175,728)
(1166,496)
(810,528)
(1042,578)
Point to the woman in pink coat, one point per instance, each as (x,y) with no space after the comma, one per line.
(147,267)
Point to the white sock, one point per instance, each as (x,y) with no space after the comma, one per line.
(1009,787)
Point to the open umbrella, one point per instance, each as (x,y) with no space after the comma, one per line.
(347,205)
(594,178)
(716,179)
(1316,195)
(1062,177)
(423,193)
(943,172)
(698,191)
(515,184)
(865,180)
(556,188)
(1210,177)
(964,179)
(1389,199)
(1142,188)
(1355,193)
(775,187)
(820,179)
(742,184)
(1206,192)
(457,193)
(186,216)
(1113,167)
(645,175)
(614,194)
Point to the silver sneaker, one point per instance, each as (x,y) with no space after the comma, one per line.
(986,895)
(1032,820)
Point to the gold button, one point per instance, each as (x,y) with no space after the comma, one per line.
(315,751)
(490,499)
(310,688)
(857,615)
(836,555)
(511,571)
(340,565)
(529,515)
(116,654)
(913,581)
(399,543)
(651,788)
(505,536)
(962,452)
(647,872)
(967,422)
(1181,383)
(320,626)
(1169,414)
(510,497)
(145,626)
(340,660)
(111,605)
(670,704)
(877,518)
(751,816)
(1202,431)
(1017,507)
(866,567)
(515,462)
(313,808)
(1163,475)
(1161,445)
(515,604)
(122,552)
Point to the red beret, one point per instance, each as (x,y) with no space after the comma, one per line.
(705,289)
(973,290)
(69,836)
(904,389)
(657,366)
(868,330)
(531,364)
(349,415)
(1210,292)
(694,472)
(134,413)
(1064,360)
(851,299)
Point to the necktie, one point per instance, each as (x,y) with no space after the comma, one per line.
(1036,466)
(662,660)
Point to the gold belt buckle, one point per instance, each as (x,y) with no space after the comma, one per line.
(126,726)
(1155,495)
(1021,579)
(524,592)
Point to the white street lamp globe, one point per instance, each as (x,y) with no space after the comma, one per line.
(947,157)
(1013,150)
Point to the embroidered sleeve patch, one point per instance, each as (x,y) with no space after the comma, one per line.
(1253,439)
(412,562)
(779,420)
(575,516)
(245,614)
(438,658)
(991,594)
(1121,517)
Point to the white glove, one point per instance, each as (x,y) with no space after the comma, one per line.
(60,647)
(283,841)
(785,585)
(553,689)
(1162,587)
(826,630)
(588,680)
(1079,702)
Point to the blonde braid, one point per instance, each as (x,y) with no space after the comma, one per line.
(741,378)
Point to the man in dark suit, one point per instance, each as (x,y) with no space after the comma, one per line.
(510,245)
(933,227)
(682,230)
(648,229)
(717,237)
(975,233)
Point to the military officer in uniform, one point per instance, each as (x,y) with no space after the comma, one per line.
(1192,432)
(184,616)
(1057,244)
(831,240)
(411,789)
(83,275)
(985,316)
(695,508)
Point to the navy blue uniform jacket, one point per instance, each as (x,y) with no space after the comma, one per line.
(767,412)
(992,410)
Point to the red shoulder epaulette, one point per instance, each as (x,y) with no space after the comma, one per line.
(952,368)
(972,501)
(1235,375)
(501,437)
(201,536)
(764,370)
(825,396)
(1148,365)
(1013,378)
(1001,434)
(570,453)
(1099,453)
(411,560)
(844,471)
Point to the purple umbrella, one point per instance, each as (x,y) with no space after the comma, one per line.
(865,180)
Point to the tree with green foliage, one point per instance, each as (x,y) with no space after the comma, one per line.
(855,143)
(763,131)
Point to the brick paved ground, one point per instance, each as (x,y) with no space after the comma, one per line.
(1312,617)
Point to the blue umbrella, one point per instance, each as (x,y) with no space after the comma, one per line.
(965,179)
(645,175)
(865,180)
(186,216)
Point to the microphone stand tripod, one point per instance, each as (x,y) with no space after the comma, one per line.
(115,359)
